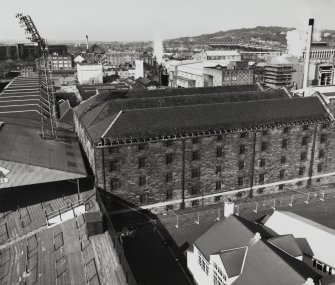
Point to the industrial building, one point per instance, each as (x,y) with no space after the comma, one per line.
(217,55)
(89,73)
(117,58)
(188,147)
(277,75)
(236,73)
(25,157)
(321,52)
(57,62)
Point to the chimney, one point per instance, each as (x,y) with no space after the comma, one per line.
(309,281)
(255,239)
(229,208)
(308,53)
(87,42)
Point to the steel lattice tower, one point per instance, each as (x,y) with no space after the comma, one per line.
(47,98)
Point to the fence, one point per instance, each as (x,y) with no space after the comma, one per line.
(280,201)
(116,242)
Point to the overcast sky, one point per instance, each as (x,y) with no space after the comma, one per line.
(127,20)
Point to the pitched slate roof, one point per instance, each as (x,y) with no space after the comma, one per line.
(288,244)
(102,106)
(233,260)
(224,116)
(255,261)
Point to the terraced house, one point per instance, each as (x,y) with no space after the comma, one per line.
(185,147)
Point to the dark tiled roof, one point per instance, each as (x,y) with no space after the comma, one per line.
(233,260)
(265,264)
(223,116)
(288,244)
(237,233)
(254,261)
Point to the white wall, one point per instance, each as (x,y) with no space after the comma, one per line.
(89,73)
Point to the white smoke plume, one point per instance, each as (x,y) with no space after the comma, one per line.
(296,42)
(158,47)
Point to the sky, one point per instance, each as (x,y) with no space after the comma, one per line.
(136,20)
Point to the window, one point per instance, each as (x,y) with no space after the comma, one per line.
(262,162)
(304,140)
(323,138)
(141,146)
(203,263)
(305,127)
(143,198)
(260,190)
(281,187)
(281,174)
(261,178)
(265,132)
(240,181)
(169,158)
(169,143)
(218,169)
(194,204)
(264,146)
(195,173)
(218,185)
(141,162)
(113,165)
(325,126)
(241,165)
(195,140)
(286,130)
(301,170)
(217,198)
(194,189)
(169,177)
(113,150)
(169,194)
(284,143)
(242,148)
(115,184)
(243,135)
(195,155)
(319,167)
(303,156)
(219,152)
(219,138)
(321,153)
(283,159)
(142,181)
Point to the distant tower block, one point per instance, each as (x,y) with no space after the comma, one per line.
(87,42)
(139,69)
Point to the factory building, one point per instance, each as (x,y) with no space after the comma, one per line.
(117,58)
(187,147)
(278,75)
(57,62)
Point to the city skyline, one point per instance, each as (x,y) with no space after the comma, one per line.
(141,21)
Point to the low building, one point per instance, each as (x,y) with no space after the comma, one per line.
(230,55)
(187,147)
(239,252)
(278,75)
(236,73)
(319,238)
(89,73)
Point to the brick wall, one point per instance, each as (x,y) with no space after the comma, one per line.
(245,158)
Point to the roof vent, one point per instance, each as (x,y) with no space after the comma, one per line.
(309,281)
(255,239)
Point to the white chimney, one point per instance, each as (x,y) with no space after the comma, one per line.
(308,53)
(228,208)
(309,281)
(87,42)
(255,239)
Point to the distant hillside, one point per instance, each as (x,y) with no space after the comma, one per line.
(259,33)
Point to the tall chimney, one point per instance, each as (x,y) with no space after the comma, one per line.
(308,53)
(87,42)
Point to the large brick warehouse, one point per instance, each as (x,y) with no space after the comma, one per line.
(187,147)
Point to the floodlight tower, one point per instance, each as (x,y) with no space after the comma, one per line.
(47,99)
